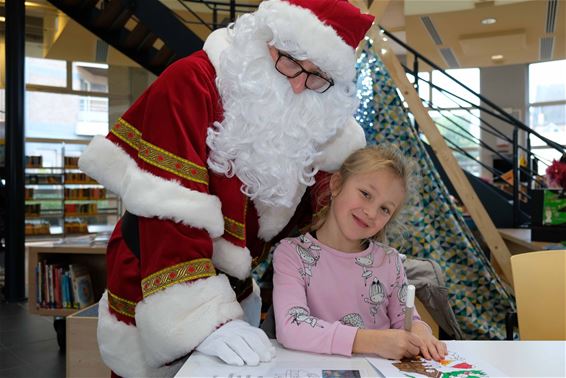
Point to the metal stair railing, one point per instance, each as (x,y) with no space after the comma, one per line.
(231,7)
(527,173)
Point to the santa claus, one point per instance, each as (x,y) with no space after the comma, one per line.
(211,162)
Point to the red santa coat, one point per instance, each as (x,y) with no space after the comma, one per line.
(191,222)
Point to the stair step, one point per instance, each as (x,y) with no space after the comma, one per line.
(141,38)
(113,15)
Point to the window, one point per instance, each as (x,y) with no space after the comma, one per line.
(453,111)
(47,72)
(90,77)
(458,95)
(547,108)
(67,100)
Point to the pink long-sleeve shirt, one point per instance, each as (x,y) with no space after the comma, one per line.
(322,296)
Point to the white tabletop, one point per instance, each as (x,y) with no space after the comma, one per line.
(512,358)
(517,358)
(286,364)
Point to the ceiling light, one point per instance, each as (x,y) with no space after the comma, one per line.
(488,21)
(2,18)
(497,58)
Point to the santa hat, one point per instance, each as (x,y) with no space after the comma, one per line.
(328,31)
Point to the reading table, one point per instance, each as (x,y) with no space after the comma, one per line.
(512,358)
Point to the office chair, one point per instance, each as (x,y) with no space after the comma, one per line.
(540,290)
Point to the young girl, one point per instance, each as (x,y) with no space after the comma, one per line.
(338,289)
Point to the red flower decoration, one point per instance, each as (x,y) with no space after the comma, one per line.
(556,173)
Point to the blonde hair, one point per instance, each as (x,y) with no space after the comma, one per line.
(371,159)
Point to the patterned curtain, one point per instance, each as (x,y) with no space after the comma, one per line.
(434,228)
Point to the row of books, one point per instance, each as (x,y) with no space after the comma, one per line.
(34,161)
(37,161)
(40,227)
(76,226)
(78,178)
(52,179)
(71,161)
(63,286)
(85,194)
(72,209)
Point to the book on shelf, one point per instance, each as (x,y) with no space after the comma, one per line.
(61,286)
(82,285)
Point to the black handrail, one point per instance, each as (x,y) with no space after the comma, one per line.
(494,111)
(510,118)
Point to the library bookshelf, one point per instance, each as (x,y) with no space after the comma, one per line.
(92,257)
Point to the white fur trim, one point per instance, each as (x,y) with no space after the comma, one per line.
(273,219)
(349,139)
(172,322)
(215,44)
(231,259)
(320,42)
(147,195)
(120,347)
(322,45)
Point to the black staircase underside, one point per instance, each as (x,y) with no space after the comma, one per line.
(497,203)
(146,31)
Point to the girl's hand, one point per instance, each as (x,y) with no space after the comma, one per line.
(431,348)
(387,343)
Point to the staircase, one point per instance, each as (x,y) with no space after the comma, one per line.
(146,31)
(509,208)
(498,203)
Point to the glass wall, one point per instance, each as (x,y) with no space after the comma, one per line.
(547,107)
(452,111)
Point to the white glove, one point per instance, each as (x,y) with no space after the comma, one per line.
(238,343)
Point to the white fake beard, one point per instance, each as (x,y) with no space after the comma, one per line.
(269,137)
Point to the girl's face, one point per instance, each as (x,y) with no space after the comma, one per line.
(363,205)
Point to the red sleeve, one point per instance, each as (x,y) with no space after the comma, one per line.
(181,105)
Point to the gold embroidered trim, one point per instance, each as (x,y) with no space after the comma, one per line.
(234,228)
(171,163)
(121,305)
(127,133)
(158,157)
(175,274)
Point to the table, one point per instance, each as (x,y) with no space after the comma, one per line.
(286,364)
(513,358)
(518,240)
(517,358)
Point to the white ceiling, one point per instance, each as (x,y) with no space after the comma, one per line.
(432,27)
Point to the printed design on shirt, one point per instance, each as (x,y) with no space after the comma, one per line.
(302,315)
(376,297)
(399,286)
(387,249)
(398,264)
(309,256)
(402,293)
(402,297)
(366,262)
(354,320)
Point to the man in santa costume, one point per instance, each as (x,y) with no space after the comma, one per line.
(211,162)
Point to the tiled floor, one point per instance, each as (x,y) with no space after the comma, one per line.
(28,344)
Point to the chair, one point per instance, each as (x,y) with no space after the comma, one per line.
(540,290)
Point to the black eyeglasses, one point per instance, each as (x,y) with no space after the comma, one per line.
(315,81)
